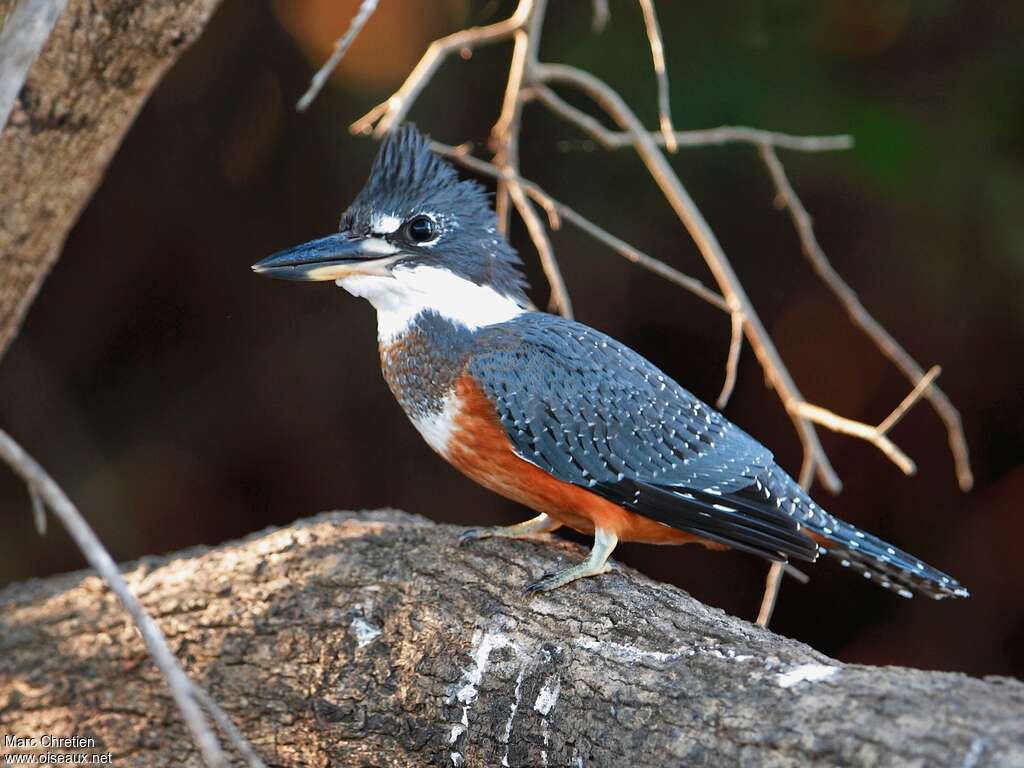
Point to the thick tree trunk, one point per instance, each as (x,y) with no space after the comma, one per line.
(373,639)
(102,60)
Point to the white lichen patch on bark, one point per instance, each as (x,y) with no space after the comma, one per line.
(806,673)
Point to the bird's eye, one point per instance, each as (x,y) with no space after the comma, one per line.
(421,229)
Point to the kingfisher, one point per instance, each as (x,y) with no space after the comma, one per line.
(549,412)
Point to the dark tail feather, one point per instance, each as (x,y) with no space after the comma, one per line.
(887,566)
(877,561)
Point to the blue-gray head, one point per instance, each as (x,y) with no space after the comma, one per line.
(416,237)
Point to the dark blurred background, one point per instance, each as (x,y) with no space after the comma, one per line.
(181,400)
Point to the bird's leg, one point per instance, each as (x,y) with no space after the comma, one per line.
(604,543)
(538,524)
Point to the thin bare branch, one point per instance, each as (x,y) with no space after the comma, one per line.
(390,113)
(660,72)
(228,727)
(505,133)
(460,155)
(602,15)
(771,594)
(866,432)
(912,397)
(876,435)
(183,690)
(695,223)
(559,301)
(38,512)
(863,319)
(732,362)
(366,9)
(709,137)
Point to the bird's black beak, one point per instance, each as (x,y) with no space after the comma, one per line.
(330,258)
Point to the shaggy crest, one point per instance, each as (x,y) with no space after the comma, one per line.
(408,179)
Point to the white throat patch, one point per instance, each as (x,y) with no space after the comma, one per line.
(399,299)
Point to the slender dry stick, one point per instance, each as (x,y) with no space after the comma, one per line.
(505,142)
(658,55)
(771,593)
(915,394)
(732,362)
(228,727)
(38,513)
(559,301)
(601,15)
(390,113)
(866,432)
(876,435)
(366,9)
(460,156)
(708,137)
(863,319)
(185,693)
(505,133)
(691,217)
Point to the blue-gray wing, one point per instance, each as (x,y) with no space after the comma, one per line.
(596,414)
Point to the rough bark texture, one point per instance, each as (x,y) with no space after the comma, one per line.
(102,60)
(373,639)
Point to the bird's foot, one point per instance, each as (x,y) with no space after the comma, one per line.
(560,578)
(597,563)
(539,524)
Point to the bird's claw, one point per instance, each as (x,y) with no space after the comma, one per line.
(543,584)
(471,534)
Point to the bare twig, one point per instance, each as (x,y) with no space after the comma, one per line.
(228,727)
(505,133)
(912,397)
(771,593)
(559,301)
(38,512)
(876,435)
(390,113)
(601,15)
(732,362)
(709,137)
(460,156)
(185,693)
(21,39)
(658,55)
(863,319)
(366,9)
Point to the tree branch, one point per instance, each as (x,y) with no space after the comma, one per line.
(708,137)
(658,56)
(67,123)
(366,9)
(863,319)
(46,494)
(352,639)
